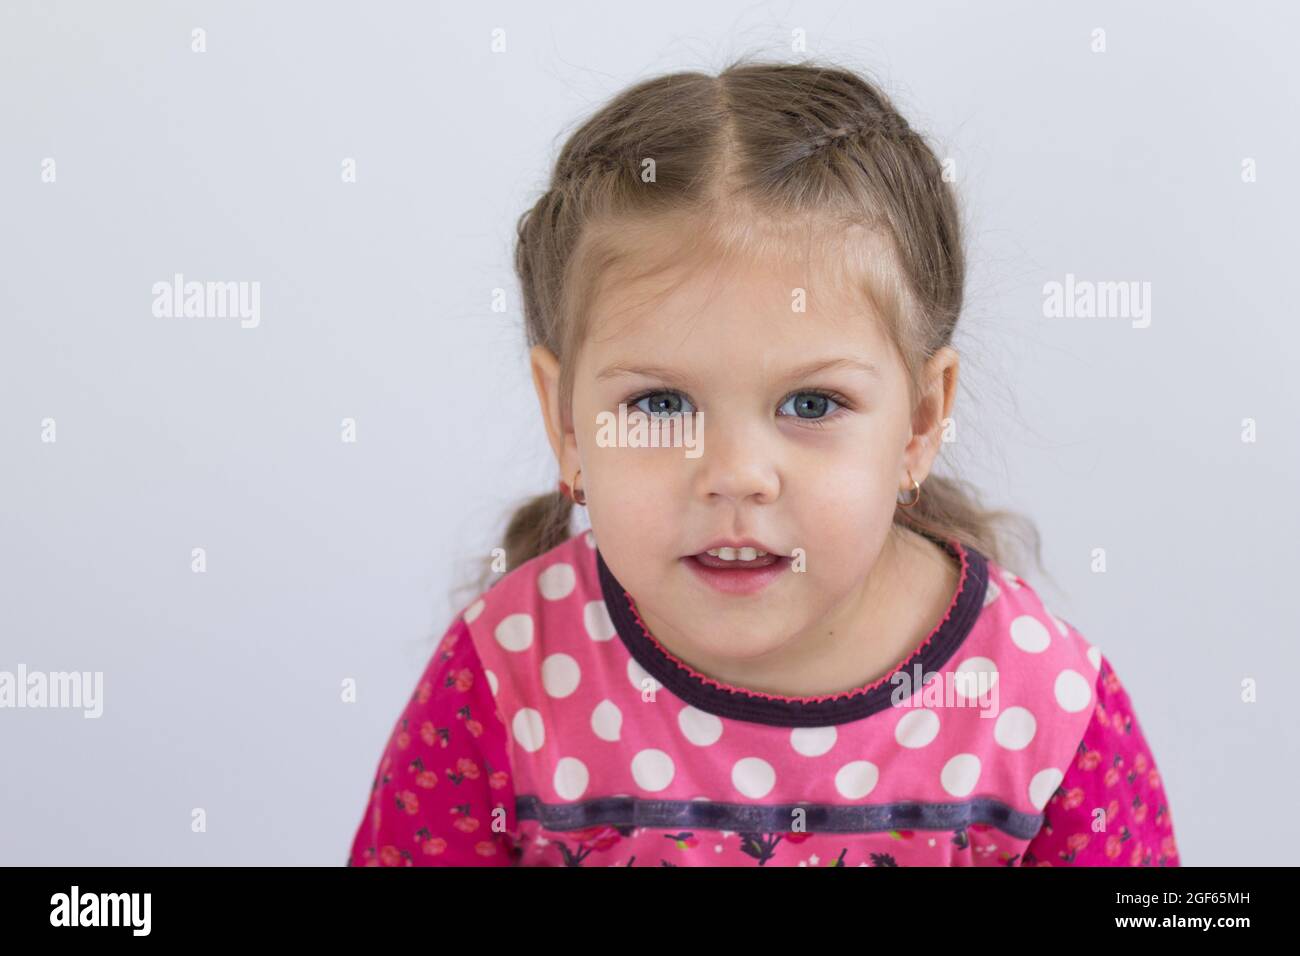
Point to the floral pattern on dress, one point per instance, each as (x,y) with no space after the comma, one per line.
(442,795)
(1111,808)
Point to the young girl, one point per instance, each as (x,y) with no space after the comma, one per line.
(784,640)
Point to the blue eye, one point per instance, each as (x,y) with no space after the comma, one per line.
(665,403)
(811,405)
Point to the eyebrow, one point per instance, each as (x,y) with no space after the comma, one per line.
(803,371)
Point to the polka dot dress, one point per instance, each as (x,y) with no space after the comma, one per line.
(552,729)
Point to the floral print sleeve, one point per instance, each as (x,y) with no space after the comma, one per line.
(1113,771)
(442,795)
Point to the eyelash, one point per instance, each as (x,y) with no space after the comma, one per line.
(836,397)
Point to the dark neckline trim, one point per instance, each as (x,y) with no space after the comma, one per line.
(738,703)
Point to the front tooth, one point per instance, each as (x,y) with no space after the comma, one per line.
(733,554)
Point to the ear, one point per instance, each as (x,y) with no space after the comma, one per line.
(938,393)
(546,379)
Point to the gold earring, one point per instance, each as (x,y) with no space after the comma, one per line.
(577,490)
(916,489)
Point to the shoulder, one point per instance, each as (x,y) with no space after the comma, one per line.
(1034,645)
(523,626)
(513,621)
(1047,646)
(1031,671)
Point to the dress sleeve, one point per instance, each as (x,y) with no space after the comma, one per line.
(1113,772)
(443,773)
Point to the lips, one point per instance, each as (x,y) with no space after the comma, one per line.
(737,566)
(738,578)
(741,559)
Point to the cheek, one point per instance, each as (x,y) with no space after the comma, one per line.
(849,499)
(864,463)
(638,491)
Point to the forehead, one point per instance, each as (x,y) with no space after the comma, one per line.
(766,309)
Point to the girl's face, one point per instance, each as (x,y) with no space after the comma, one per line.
(804,443)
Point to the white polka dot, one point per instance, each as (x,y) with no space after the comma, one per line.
(528,729)
(1061,626)
(992,592)
(1072,691)
(571,778)
(753,777)
(640,679)
(492,681)
(812,741)
(1015,727)
(1094,657)
(1029,634)
(917,728)
(607,721)
(595,618)
(652,770)
(975,677)
(700,728)
(557,581)
(515,633)
(1043,785)
(1012,579)
(856,779)
(473,611)
(960,774)
(560,675)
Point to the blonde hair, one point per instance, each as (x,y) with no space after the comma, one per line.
(762,156)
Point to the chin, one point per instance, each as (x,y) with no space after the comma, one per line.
(743,644)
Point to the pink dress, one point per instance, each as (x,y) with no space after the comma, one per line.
(551,728)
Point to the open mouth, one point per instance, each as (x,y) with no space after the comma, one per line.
(734,559)
(737,570)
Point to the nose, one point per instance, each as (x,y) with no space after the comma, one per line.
(737,465)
